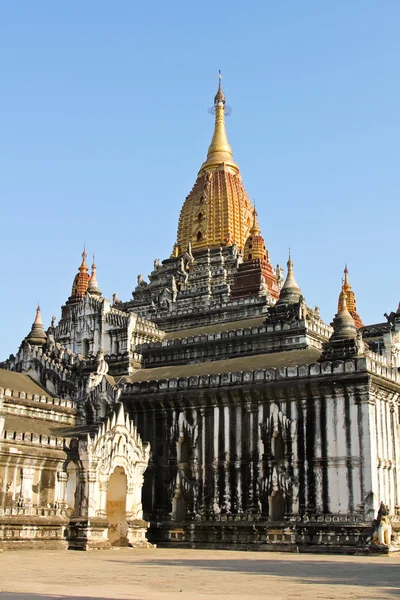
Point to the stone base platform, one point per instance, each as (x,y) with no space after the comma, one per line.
(26,531)
(89,534)
(333,537)
(137,534)
(86,534)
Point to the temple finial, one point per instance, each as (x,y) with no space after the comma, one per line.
(343,324)
(93,287)
(84,256)
(81,280)
(346,275)
(290,292)
(38,318)
(255,229)
(219,150)
(350,299)
(219,96)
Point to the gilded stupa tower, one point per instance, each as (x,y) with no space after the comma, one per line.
(220,257)
(81,281)
(350,300)
(218,211)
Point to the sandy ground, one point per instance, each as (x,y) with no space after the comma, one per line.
(160,574)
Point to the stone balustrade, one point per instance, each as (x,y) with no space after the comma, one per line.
(33,438)
(37,398)
(37,511)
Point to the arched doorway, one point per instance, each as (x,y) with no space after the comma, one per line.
(116,508)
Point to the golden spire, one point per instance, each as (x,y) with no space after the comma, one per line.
(37,335)
(350,299)
(81,281)
(255,230)
(219,150)
(256,260)
(218,211)
(254,247)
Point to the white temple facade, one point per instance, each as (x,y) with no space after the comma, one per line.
(214,408)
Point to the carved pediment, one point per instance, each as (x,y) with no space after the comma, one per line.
(118,444)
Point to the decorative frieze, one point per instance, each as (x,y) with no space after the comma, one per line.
(316,370)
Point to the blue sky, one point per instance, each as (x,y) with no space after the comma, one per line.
(104,125)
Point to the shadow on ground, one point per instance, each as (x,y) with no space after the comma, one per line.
(27,596)
(376,575)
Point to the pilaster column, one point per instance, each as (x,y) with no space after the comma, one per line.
(227,458)
(134,507)
(93,502)
(2,415)
(295,456)
(390,454)
(260,464)
(318,457)
(216,506)
(168,464)
(27,474)
(305,483)
(60,493)
(203,457)
(395,446)
(103,487)
(196,453)
(238,461)
(379,445)
(153,462)
(355,453)
(251,410)
(371,481)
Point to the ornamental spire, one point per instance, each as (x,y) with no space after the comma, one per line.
(350,299)
(93,287)
(255,275)
(37,335)
(343,324)
(219,150)
(344,341)
(290,292)
(255,230)
(81,280)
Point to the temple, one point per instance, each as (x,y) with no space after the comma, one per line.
(214,408)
